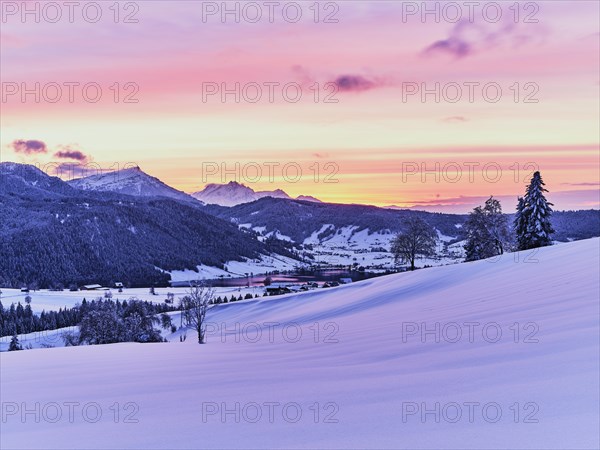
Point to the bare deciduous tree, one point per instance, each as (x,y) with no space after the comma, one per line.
(419,239)
(194,306)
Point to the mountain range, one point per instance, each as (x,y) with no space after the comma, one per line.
(134,181)
(131,227)
(53,233)
(234,193)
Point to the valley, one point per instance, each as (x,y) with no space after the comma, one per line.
(142,232)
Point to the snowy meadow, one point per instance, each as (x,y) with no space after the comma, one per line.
(490,354)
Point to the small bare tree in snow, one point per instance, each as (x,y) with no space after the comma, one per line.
(419,239)
(194,306)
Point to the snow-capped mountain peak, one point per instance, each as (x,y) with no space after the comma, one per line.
(130,181)
(277,193)
(234,193)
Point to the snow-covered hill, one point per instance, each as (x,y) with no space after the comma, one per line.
(491,354)
(234,193)
(132,181)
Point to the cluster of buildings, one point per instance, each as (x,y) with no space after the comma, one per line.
(97,287)
(287,288)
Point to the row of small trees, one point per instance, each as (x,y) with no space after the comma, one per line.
(101,321)
(19,319)
(104,321)
(487,230)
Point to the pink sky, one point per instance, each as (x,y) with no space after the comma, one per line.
(371,138)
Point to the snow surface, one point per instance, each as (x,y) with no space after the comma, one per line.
(361,369)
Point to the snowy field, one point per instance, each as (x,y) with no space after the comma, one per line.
(349,246)
(489,354)
(346,246)
(235,269)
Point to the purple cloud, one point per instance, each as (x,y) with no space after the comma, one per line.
(343,83)
(71,154)
(468,38)
(453,46)
(29,147)
(353,83)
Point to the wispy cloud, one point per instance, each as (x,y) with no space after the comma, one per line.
(591,183)
(467,38)
(454,46)
(563,200)
(455,119)
(71,170)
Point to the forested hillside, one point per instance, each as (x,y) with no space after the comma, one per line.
(299,219)
(51,233)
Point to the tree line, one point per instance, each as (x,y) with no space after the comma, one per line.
(19,319)
(487,230)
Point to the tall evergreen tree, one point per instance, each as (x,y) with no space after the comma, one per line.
(520,223)
(532,224)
